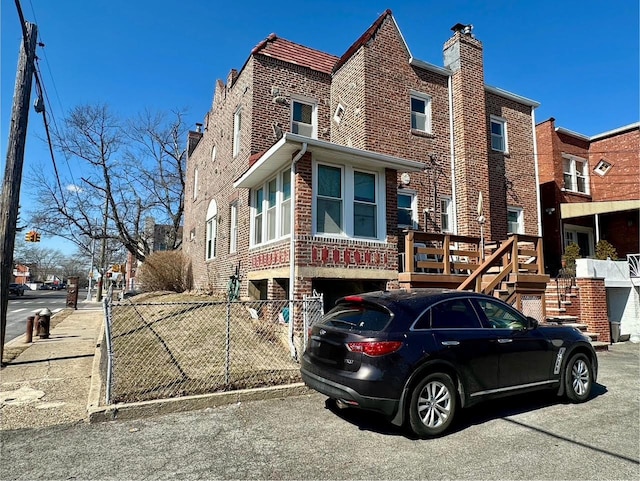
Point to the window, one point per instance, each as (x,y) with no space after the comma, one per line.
(303,118)
(498,134)
(195,184)
(347,201)
(233,228)
(271,209)
(421,112)
(602,168)
(514,220)
(453,314)
(575,174)
(237,130)
(211,230)
(446,214)
(583,236)
(407,209)
(213,153)
(285,206)
(500,317)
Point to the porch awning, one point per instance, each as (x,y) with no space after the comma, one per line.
(282,152)
(582,209)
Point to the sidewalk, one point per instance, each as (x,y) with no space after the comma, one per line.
(48,382)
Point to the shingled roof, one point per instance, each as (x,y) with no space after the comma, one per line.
(281,49)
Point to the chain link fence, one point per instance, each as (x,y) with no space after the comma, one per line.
(162,350)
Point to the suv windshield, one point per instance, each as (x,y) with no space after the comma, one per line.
(357,316)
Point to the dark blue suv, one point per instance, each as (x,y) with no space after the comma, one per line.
(419,355)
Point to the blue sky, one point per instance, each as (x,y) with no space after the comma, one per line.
(579,59)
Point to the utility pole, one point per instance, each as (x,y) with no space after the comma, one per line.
(103,252)
(13,169)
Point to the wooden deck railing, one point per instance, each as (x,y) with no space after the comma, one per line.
(441,253)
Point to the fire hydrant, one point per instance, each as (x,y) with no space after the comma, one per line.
(43,322)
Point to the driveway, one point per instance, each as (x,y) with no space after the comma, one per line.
(530,437)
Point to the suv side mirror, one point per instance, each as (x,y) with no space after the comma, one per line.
(532,322)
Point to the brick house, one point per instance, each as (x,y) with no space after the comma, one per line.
(345,153)
(590,190)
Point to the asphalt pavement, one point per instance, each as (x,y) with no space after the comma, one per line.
(45,393)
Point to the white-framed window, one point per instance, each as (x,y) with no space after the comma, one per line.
(583,236)
(348,201)
(420,112)
(214,152)
(233,227)
(271,209)
(446,214)
(602,168)
(195,184)
(304,117)
(407,208)
(499,134)
(576,174)
(515,220)
(211,230)
(237,131)
(285,205)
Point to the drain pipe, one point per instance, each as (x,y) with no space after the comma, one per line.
(292,249)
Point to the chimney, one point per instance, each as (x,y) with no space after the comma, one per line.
(463,56)
(193,139)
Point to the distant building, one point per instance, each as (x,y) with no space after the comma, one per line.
(308,167)
(590,190)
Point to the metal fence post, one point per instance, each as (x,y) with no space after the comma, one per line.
(107,327)
(227,369)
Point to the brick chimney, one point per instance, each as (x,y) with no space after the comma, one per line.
(463,56)
(193,139)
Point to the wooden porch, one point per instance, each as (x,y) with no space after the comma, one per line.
(512,270)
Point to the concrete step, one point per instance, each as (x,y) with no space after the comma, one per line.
(600,346)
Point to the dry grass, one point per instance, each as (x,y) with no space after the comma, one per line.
(168,345)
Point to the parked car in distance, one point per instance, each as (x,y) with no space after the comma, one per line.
(17,289)
(44,287)
(58,287)
(417,356)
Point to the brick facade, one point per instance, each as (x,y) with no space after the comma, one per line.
(593,307)
(373,83)
(621,150)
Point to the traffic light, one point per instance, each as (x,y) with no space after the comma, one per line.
(28,236)
(36,237)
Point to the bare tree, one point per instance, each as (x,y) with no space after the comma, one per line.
(121,173)
(43,262)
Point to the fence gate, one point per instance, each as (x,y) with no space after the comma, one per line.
(313,312)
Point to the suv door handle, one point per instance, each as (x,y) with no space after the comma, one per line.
(504,341)
(450,343)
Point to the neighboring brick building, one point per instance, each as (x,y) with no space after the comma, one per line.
(347,152)
(590,190)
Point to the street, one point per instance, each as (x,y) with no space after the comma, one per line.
(529,437)
(21,307)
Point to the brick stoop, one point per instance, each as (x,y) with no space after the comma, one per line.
(572,321)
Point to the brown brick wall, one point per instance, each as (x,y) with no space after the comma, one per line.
(593,307)
(622,181)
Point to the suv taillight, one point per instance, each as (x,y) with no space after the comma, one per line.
(375,348)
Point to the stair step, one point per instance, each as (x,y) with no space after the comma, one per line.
(593,335)
(600,346)
(563,318)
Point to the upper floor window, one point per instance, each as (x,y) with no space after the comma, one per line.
(237,131)
(421,112)
(575,174)
(271,209)
(348,201)
(211,230)
(407,209)
(304,118)
(515,224)
(499,134)
(446,214)
(602,168)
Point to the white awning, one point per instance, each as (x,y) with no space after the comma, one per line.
(582,209)
(282,152)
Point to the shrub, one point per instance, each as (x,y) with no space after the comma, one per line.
(164,271)
(571,253)
(604,251)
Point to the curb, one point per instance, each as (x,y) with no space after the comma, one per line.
(131,411)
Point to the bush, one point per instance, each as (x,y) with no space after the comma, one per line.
(604,251)
(164,271)
(571,253)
